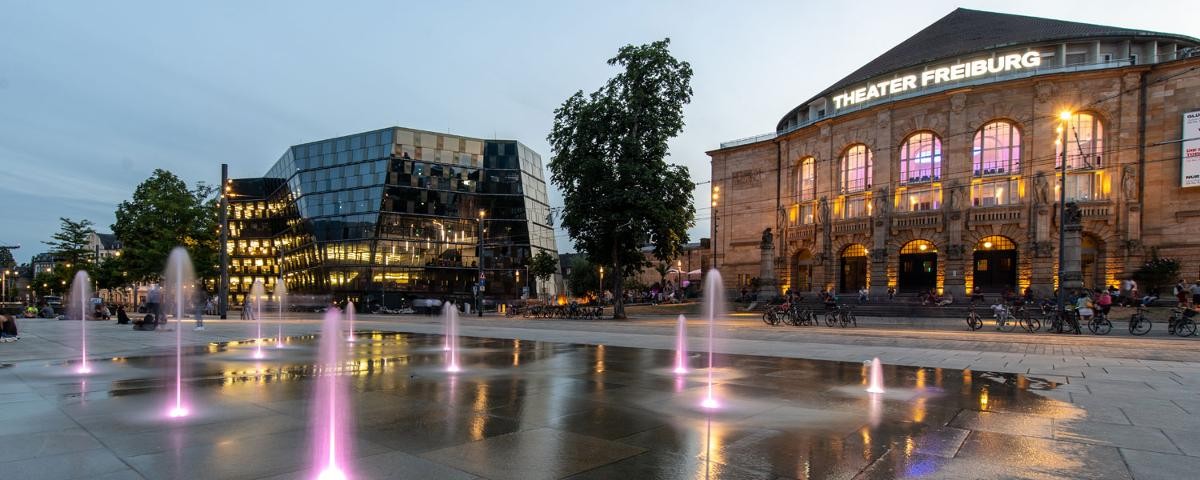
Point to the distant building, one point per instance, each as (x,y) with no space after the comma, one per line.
(392,214)
(43,263)
(104,246)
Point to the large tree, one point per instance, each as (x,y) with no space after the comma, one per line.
(70,244)
(6,259)
(163,214)
(610,150)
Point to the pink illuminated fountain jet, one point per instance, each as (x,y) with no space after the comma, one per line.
(681,346)
(450,322)
(350,314)
(875,384)
(331,419)
(177,280)
(714,300)
(259,294)
(81,293)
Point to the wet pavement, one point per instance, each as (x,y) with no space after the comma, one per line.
(526,409)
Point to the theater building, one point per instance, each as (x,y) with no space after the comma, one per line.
(390,215)
(938,165)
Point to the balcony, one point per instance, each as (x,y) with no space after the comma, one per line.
(917,219)
(850,226)
(997,215)
(1101,210)
(801,231)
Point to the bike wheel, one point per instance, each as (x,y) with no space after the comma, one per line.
(1005,324)
(974,322)
(1103,327)
(830,319)
(1093,325)
(769,317)
(853,320)
(1139,326)
(1032,324)
(1186,328)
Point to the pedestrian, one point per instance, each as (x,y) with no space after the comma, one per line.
(1103,300)
(154,302)
(863,295)
(199,306)
(1195,290)
(122,317)
(1181,294)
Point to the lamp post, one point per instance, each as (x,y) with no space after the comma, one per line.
(716,194)
(479,287)
(602,285)
(1064,117)
(4,287)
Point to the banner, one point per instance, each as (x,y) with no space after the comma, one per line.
(1189,174)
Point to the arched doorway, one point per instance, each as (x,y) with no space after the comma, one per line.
(854,268)
(1091,261)
(995,264)
(802,271)
(918,266)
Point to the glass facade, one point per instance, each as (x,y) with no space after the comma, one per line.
(391,215)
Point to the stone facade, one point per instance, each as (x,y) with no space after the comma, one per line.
(1137,203)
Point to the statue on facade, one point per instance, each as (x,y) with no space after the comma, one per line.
(823,211)
(1041,189)
(1129,183)
(954,200)
(1073,216)
(883,203)
(768,239)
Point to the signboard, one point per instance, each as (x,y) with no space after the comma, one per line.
(1189,174)
(936,76)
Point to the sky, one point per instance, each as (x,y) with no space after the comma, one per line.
(95,95)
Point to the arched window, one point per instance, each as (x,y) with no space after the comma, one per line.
(856,169)
(997,149)
(1085,142)
(920,159)
(806,186)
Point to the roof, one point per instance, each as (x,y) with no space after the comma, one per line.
(965,31)
(108,241)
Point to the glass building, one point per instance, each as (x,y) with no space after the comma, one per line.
(392,215)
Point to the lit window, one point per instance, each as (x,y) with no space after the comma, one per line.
(921,159)
(1085,143)
(997,149)
(856,207)
(856,169)
(921,199)
(1083,186)
(994,193)
(807,187)
(807,214)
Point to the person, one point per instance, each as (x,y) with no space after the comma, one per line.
(122,317)
(149,322)
(1195,291)
(863,295)
(1104,301)
(1084,305)
(154,302)
(1181,294)
(946,299)
(891,294)
(199,306)
(8,329)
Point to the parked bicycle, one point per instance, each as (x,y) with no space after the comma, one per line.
(1099,324)
(1180,322)
(1138,323)
(973,320)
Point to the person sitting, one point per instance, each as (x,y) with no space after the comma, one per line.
(946,299)
(1104,301)
(122,317)
(1084,306)
(8,329)
(148,323)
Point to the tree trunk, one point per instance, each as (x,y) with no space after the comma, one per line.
(618,287)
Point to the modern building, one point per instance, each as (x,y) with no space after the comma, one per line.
(938,164)
(390,215)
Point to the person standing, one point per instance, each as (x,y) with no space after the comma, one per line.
(1181,294)
(199,305)
(1195,290)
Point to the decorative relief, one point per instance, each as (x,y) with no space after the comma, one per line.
(1043,91)
(958,102)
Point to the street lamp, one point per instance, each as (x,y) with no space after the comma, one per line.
(4,287)
(479,286)
(1065,118)
(716,195)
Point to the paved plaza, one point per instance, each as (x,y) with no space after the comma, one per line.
(597,399)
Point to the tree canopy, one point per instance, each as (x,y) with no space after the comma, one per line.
(609,161)
(70,244)
(543,266)
(165,213)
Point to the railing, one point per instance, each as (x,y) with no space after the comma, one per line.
(1095,210)
(910,220)
(851,226)
(1002,214)
(921,91)
(801,231)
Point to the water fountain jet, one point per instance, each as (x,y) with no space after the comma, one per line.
(350,314)
(875,377)
(681,346)
(258,293)
(331,417)
(81,293)
(280,296)
(714,299)
(178,278)
(450,322)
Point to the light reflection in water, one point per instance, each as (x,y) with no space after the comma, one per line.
(920,378)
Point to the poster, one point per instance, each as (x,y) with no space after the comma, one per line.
(1190,151)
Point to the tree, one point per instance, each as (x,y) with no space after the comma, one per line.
(583,277)
(6,259)
(609,147)
(163,214)
(543,266)
(109,273)
(662,268)
(70,245)
(1156,273)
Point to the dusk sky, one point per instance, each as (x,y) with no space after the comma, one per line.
(96,95)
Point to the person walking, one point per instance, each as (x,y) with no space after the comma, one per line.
(1181,294)
(200,304)
(1195,290)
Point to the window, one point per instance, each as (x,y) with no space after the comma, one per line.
(1083,186)
(994,193)
(856,207)
(807,214)
(856,169)
(920,159)
(807,187)
(997,149)
(921,199)
(1085,142)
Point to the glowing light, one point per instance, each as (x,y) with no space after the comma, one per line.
(876,376)
(987,244)
(1064,115)
(710,403)
(922,247)
(84,369)
(178,412)
(453,368)
(332,472)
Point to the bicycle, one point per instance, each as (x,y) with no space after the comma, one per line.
(1180,323)
(1028,321)
(1099,324)
(832,312)
(973,320)
(772,316)
(846,317)
(1004,319)
(1138,323)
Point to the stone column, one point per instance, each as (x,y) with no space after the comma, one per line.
(767,288)
(1072,269)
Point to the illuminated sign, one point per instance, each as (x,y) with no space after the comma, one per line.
(936,76)
(1190,155)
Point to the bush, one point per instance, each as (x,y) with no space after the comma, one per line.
(1156,273)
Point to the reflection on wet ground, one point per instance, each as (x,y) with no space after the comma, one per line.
(545,410)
